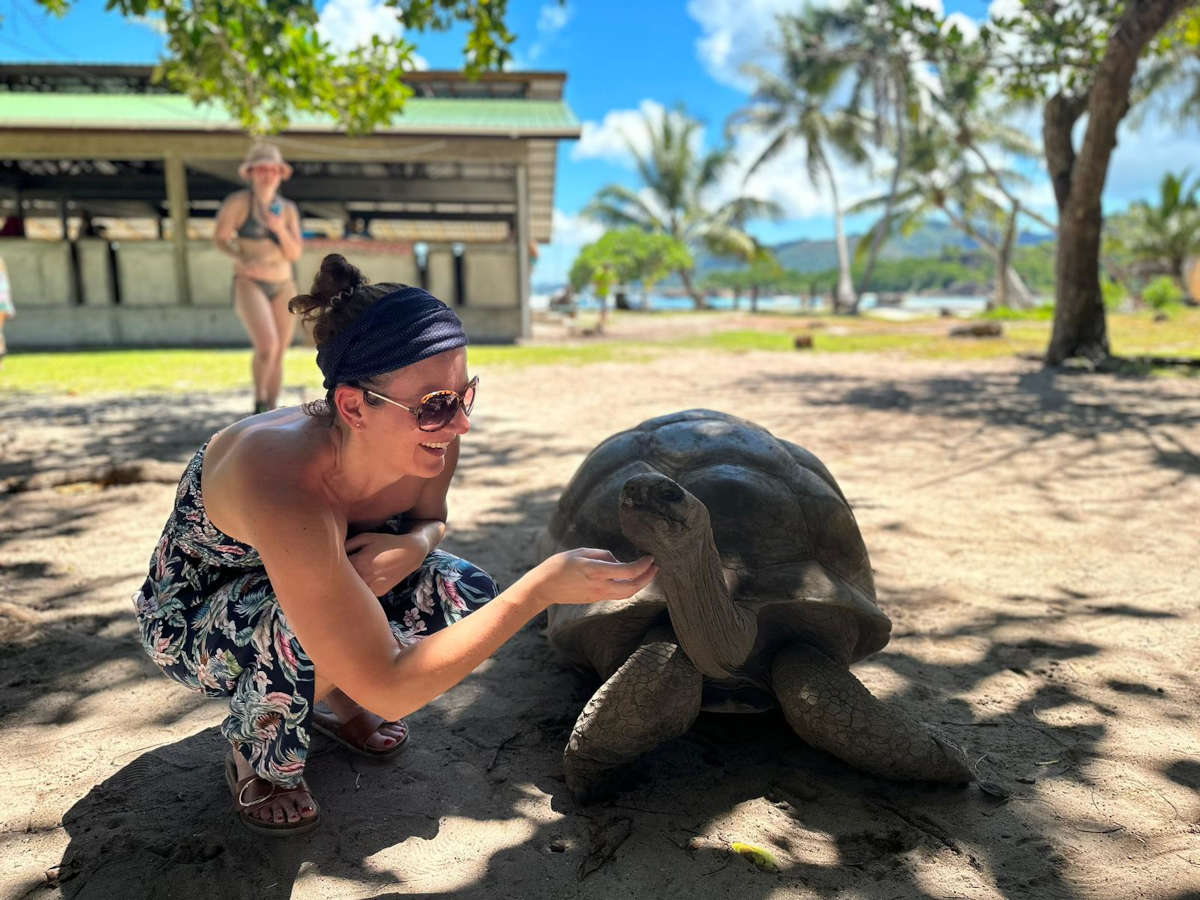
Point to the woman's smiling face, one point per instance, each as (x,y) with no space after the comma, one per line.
(394,431)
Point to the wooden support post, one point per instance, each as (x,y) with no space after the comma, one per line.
(523,238)
(177,204)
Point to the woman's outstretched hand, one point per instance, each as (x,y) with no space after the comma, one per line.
(587,575)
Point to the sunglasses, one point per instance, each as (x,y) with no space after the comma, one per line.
(437,410)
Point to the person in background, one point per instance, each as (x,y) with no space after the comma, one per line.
(261,231)
(7,310)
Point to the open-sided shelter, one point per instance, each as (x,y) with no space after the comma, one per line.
(453,194)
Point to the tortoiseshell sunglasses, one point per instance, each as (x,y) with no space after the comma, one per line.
(436,410)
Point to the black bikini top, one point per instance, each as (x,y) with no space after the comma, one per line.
(253,228)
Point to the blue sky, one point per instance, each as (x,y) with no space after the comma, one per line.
(619,57)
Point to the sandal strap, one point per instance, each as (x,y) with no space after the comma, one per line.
(241,792)
(301,785)
(358,731)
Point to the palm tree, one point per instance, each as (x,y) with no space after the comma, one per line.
(938,178)
(874,71)
(1168,233)
(676,184)
(791,108)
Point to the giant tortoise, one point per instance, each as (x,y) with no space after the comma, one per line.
(764,597)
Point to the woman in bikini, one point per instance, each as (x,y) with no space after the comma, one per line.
(261,231)
(300,562)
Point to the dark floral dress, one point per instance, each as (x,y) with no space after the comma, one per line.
(209,618)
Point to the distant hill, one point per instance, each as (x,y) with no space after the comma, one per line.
(928,241)
(815,256)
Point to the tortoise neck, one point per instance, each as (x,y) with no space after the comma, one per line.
(716,634)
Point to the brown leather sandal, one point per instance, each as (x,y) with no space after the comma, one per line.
(245,808)
(354,732)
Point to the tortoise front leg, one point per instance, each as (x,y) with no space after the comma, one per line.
(654,696)
(831,709)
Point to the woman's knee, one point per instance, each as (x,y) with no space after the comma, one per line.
(267,350)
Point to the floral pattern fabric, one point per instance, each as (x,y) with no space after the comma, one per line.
(209,618)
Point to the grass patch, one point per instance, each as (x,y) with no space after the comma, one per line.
(1036,314)
(154,371)
(179,371)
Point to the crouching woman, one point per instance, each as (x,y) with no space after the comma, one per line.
(300,562)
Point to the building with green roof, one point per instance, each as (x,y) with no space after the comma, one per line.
(455,192)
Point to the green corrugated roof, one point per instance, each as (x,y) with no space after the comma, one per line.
(172,111)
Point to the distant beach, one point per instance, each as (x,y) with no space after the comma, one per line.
(957,304)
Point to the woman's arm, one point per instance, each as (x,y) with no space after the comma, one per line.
(286,227)
(230,217)
(344,630)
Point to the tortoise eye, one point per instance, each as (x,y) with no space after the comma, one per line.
(672,493)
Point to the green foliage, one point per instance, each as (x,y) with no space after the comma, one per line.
(677,176)
(1113,293)
(1169,231)
(625,256)
(264,61)
(953,272)
(1162,292)
(1043,313)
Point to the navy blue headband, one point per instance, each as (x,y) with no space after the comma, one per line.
(395,331)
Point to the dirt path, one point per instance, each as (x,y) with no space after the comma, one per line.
(1034,538)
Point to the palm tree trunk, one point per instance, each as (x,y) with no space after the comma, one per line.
(843,296)
(698,300)
(1011,291)
(889,205)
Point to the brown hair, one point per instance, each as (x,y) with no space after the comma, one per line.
(340,293)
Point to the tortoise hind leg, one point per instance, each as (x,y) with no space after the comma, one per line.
(831,709)
(654,696)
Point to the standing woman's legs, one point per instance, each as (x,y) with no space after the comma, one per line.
(3,346)
(285,325)
(254,309)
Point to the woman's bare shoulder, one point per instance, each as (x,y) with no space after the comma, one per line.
(272,461)
(239,199)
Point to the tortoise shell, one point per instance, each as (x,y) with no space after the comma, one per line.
(788,540)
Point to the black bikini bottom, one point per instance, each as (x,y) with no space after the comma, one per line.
(269,288)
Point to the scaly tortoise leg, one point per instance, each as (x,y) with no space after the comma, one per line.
(831,709)
(654,696)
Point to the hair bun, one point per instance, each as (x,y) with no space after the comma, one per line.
(336,279)
(334,299)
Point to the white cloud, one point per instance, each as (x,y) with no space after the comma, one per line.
(785,180)
(569,233)
(735,32)
(611,138)
(572,229)
(552,18)
(154,21)
(968,26)
(347,24)
(1005,9)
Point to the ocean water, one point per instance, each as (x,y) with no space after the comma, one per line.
(960,305)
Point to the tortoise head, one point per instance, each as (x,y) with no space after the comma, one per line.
(659,516)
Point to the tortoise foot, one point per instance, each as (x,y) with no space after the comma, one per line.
(654,696)
(831,709)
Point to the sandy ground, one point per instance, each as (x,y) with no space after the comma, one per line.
(1035,543)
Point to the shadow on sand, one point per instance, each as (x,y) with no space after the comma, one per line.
(490,752)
